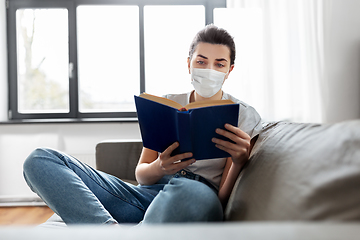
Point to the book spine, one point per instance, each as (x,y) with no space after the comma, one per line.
(183,132)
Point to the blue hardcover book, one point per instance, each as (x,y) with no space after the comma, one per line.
(163,122)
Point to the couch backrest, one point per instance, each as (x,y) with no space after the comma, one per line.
(119,158)
(301,172)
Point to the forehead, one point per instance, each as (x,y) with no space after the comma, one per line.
(212,51)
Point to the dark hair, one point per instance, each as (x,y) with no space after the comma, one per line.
(214,35)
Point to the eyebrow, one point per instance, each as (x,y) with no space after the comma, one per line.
(218,59)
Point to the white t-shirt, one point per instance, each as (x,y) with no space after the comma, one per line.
(249,122)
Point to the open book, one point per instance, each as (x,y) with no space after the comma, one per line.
(163,122)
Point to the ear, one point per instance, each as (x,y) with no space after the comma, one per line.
(231,68)
(188,62)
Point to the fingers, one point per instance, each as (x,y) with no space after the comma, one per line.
(172,164)
(237,131)
(239,148)
(167,153)
(234,134)
(172,167)
(170,149)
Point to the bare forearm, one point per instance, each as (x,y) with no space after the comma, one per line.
(148,173)
(227,186)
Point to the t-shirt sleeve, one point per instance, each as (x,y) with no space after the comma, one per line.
(250,121)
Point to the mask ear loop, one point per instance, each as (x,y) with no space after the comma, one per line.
(226,76)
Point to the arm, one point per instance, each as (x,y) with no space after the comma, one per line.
(152,166)
(239,151)
(230,174)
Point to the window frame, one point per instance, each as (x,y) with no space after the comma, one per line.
(71,5)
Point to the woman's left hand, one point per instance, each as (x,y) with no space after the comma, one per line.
(240,149)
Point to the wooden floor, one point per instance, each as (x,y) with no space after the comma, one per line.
(24,215)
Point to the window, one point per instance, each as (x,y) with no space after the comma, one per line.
(161,69)
(109,66)
(247,80)
(42,60)
(88,58)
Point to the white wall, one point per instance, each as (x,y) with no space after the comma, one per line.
(342,61)
(17,141)
(3,63)
(77,139)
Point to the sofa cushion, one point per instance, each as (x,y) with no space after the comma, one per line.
(119,158)
(300,172)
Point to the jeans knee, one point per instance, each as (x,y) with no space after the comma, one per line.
(35,162)
(33,159)
(184,200)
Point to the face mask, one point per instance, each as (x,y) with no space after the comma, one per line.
(207,82)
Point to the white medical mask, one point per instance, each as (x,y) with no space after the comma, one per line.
(207,82)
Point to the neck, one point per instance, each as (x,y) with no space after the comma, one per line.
(195,97)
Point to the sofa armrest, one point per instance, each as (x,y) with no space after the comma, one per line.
(300,172)
(119,158)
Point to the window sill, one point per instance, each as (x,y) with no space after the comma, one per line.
(69,120)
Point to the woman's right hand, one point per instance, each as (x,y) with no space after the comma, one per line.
(169,165)
(152,166)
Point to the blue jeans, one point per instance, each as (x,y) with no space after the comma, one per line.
(80,194)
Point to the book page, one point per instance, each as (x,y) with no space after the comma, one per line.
(171,103)
(208,103)
(161,100)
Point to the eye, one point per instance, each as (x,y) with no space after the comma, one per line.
(200,62)
(220,65)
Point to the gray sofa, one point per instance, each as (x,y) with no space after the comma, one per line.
(302,182)
(296,172)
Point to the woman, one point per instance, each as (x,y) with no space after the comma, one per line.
(169,190)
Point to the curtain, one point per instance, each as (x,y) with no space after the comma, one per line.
(292,85)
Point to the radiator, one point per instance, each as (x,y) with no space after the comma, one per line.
(14,201)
